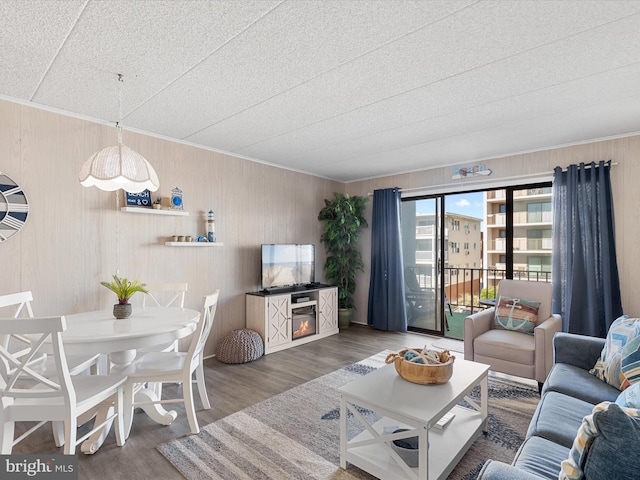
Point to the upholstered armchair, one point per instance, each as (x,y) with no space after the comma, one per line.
(507,343)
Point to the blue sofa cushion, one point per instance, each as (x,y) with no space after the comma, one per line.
(604,446)
(579,383)
(558,418)
(540,457)
(494,470)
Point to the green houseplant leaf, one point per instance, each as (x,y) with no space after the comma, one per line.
(343,218)
(124,289)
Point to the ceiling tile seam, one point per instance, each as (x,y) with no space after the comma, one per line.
(480,105)
(435,82)
(61,46)
(203,60)
(340,65)
(535,117)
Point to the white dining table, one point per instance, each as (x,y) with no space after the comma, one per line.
(100,332)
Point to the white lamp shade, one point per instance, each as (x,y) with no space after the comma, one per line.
(117,167)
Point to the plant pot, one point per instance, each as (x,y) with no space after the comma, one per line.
(344,317)
(121,311)
(157,206)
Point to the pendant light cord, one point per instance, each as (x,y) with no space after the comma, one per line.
(119,122)
(117,192)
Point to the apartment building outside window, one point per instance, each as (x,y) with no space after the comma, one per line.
(459,246)
(519,224)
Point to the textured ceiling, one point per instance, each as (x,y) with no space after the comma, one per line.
(344,89)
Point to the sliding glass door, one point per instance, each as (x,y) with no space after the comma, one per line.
(422,246)
(457,248)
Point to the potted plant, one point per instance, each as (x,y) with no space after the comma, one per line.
(157,204)
(124,289)
(344,218)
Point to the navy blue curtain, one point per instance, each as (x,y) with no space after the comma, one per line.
(386,286)
(586,286)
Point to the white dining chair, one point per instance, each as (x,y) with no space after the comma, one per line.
(18,305)
(162,367)
(27,396)
(164,295)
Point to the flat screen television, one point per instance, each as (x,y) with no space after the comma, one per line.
(287,265)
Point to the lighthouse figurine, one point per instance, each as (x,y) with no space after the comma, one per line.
(211,227)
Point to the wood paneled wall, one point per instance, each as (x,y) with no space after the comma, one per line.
(516,169)
(70,240)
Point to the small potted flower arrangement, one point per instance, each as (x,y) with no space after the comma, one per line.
(124,289)
(157,204)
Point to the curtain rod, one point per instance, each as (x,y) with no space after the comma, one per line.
(484,180)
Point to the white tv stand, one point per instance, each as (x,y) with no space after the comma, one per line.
(273,314)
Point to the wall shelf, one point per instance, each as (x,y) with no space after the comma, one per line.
(153,211)
(193,244)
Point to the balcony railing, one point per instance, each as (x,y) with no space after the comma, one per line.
(424,256)
(465,287)
(521,244)
(425,231)
(501,194)
(520,218)
(532,217)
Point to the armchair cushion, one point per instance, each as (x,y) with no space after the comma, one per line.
(621,353)
(516,314)
(506,345)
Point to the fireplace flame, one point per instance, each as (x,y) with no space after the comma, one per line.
(303,329)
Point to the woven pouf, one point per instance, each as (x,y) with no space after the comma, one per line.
(240,346)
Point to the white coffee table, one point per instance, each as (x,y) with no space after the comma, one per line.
(417,408)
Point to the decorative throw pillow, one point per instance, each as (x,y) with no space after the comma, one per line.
(630,397)
(621,343)
(573,468)
(516,314)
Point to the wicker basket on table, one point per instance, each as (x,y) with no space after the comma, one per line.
(423,373)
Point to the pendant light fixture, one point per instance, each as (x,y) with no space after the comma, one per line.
(119,167)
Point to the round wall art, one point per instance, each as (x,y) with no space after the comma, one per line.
(14,208)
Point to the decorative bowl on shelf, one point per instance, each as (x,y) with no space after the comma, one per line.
(425,372)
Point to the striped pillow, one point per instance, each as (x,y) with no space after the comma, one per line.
(516,314)
(630,363)
(619,362)
(573,467)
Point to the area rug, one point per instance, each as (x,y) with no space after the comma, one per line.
(296,434)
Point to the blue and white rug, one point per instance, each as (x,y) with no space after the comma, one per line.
(296,434)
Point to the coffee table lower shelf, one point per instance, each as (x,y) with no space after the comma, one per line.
(445,447)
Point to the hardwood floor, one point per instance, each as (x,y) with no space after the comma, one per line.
(231,388)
